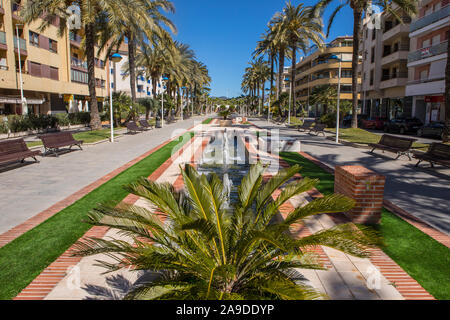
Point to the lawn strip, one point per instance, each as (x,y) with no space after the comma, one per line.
(24,258)
(422,257)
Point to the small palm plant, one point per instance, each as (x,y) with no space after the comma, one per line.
(205,250)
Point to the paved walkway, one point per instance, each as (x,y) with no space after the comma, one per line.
(32,188)
(67,279)
(423,192)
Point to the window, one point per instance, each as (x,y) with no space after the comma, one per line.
(371,77)
(374,32)
(346,73)
(54,73)
(35,69)
(372,55)
(140,88)
(53,45)
(78,76)
(34,39)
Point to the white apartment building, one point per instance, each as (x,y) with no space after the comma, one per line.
(427,60)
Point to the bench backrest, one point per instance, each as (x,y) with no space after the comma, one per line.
(440,150)
(144,123)
(319,127)
(307,124)
(12,146)
(132,126)
(56,138)
(396,142)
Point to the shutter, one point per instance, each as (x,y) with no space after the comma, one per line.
(43,42)
(54,73)
(35,69)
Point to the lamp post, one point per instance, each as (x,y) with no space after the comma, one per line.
(163,83)
(114,58)
(182,102)
(22,98)
(338,96)
(268,107)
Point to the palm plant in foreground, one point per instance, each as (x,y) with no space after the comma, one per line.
(205,250)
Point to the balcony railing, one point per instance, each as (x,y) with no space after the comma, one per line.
(22,43)
(431,18)
(399,75)
(428,52)
(74,37)
(401,47)
(74,62)
(2,37)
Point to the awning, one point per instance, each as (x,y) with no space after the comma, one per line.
(13,100)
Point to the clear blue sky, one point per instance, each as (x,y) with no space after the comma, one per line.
(223,34)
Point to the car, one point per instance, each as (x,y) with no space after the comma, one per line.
(402,125)
(373,123)
(432,129)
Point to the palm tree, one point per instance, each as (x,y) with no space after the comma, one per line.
(360,7)
(296,27)
(267,47)
(325,95)
(92,13)
(206,251)
(135,30)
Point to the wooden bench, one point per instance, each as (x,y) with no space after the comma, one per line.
(306,125)
(399,145)
(145,125)
(318,129)
(133,128)
(54,141)
(16,150)
(438,153)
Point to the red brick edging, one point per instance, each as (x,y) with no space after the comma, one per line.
(49,278)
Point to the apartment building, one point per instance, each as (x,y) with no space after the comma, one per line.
(384,48)
(53,68)
(121,81)
(285,80)
(318,69)
(427,60)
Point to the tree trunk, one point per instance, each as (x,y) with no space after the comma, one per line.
(294,58)
(132,64)
(357,14)
(262,93)
(280,72)
(90,56)
(446,137)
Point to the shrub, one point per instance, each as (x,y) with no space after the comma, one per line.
(329,119)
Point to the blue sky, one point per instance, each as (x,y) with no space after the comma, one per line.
(223,34)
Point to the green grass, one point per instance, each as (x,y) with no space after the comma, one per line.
(207,121)
(86,136)
(24,258)
(422,257)
(362,136)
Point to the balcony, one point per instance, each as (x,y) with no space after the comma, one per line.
(425,87)
(428,52)
(75,39)
(395,56)
(431,18)
(77,63)
(394,31)
(23,45)
(394,80)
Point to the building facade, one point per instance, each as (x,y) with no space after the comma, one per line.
(428,59)
(121,81)
(53,68)
(384,48)
(319,69)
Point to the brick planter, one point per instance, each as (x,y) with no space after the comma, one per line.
(365,187)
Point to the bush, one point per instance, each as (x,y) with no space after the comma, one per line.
(79,118)
(329,119)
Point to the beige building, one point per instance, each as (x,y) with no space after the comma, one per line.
(428,59)
(318,69)
(53,68)
(384,49)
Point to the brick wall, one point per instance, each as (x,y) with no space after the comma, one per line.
(366,188)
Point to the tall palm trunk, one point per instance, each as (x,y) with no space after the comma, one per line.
(178,102)
(357,14)
(90,56)
(132,64)
(280,77)
(262,92)
(292,95)
(446,137)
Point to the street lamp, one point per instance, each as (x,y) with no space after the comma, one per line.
(163,82)
(268,108)
(338,96)
(113,59)
(23,100)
